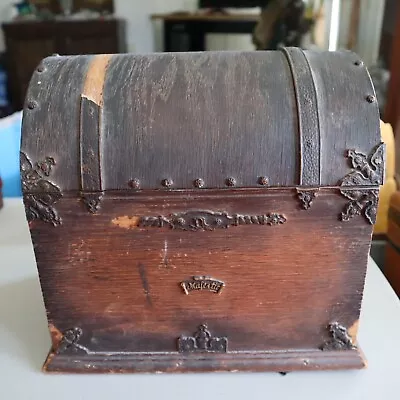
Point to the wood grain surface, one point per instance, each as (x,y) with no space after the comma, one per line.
(123,288)
(184,116)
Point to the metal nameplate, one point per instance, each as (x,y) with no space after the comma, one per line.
(202,283)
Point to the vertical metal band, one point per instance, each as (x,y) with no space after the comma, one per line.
(307,111)
(89,151)
(90,124)
(90,133)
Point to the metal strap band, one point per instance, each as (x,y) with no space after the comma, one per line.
(90,125)
(307,111)
(90,169)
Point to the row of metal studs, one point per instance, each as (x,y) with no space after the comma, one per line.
(198,183)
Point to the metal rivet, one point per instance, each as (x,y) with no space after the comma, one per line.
(32,104)
(358,63)
(134,183)
(199,183)
(230,181)
(55,55)
(263,181)
(167,182)
(370,98)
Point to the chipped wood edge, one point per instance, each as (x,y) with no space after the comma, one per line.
(55,334)
(95,77)
(126,222)
(48,361)
(353,331)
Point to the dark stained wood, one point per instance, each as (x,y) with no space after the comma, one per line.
(189,166)
(343,110)
(50,118)
(165,110)
(158,107)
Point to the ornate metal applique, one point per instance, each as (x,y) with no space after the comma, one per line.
(208,221)
(202,283)
(368,170)
(40,194)
(306,197)
(69,341)
(341,340)
(92,201)
(361,202)
(202,341)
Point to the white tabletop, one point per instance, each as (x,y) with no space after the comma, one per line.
(24,343)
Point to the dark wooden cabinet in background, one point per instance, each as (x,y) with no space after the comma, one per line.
(29,42)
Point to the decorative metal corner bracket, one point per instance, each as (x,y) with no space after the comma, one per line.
(92,201)
(341,340)
(40,194)
(209,221)
(306,196)
(202,341)
(202,283)
(368,170)
(362,201)
(69,341)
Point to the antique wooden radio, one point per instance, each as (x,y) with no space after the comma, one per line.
(202,211)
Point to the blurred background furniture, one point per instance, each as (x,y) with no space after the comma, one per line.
(187,32)
(28,42)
